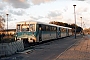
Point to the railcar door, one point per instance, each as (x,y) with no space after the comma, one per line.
(40,33)
(67,32)
(59,33)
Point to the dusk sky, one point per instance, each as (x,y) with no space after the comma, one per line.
(45,11)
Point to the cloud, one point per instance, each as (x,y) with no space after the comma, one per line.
(81,0)
(82,10)
(36,2)
(17,12)
(36,18)
(78,0)
(88,1)
(18,3)
(11,24)
(54,14)
(2,6)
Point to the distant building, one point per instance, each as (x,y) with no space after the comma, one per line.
(10,31)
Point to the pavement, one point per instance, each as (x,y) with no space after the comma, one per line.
(79,51)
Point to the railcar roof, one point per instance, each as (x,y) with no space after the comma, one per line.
(37,22)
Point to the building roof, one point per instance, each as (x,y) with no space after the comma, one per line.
(8,30)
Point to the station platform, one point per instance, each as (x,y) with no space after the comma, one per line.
(79,51)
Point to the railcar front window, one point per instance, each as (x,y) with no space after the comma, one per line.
(25,27)
(32,27)
(18,28)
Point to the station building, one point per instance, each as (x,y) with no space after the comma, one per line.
(10,31)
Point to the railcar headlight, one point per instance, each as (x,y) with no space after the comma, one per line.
(32,40)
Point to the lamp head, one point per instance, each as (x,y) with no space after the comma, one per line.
(7,14)
(74,5)
(80,17)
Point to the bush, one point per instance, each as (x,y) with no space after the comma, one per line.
(7,39)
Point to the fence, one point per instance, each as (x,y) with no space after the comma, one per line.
(7,49)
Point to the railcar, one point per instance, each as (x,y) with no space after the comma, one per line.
(37,32)
(69,31)
(64,31)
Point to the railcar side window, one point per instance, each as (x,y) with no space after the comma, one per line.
(50,28)
(54,28)
(32,27)
(63,30)
(46,28)
(70,30)
(43,27)
(25,27)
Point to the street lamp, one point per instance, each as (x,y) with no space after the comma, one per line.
(84,25)
(81,21)
(7,23)
(75,20)
(81,24)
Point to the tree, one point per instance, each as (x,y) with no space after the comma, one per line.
(87,30)
(66,25)
(2,21)
(73,26)
(78,28)
(57,23)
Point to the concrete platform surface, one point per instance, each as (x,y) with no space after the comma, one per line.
(79,51)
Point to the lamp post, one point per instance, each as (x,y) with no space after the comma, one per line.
(75,20)
(81,21)
(81,24)
(7,23)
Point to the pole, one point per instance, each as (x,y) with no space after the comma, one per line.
(81,21)
(7,23)
(81,25)
(75,20)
